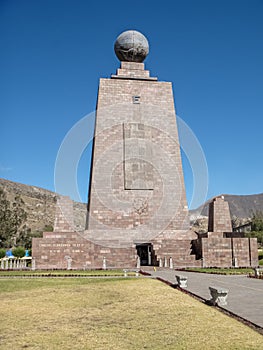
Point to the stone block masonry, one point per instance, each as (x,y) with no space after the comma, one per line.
(219,216)
(221,247)
(137,176)
(53,250)
(137,193)
(64,219)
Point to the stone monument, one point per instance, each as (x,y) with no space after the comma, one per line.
(220,246)
(137,208)
(137,194)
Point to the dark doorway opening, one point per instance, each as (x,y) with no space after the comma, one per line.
(146,254)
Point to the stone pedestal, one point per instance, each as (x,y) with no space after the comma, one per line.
(171,263)
(104,263)
(33,264)
(181,281)
(138,264)
(219,296)
(69,262)
(258,271)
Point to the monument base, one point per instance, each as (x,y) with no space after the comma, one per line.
(56,249)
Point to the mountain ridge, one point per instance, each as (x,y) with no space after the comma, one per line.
(40,204)
(241,206)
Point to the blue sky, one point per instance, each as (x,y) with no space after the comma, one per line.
(53,53)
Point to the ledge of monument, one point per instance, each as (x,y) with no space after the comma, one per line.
(127,77)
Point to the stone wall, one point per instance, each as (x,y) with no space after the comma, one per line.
(217,252)
(53,250)
(221,247)
(229,252)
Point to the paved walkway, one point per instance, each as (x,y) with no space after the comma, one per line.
(245,297)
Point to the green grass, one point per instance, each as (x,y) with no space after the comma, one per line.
(114,314)
(66,273)
(223,271)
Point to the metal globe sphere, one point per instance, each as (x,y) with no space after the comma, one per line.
(131,46)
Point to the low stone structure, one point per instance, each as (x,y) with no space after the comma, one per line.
(220,247)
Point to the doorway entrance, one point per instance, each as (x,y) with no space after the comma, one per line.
(145,253)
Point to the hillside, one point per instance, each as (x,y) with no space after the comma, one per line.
(39,205)
(240,206)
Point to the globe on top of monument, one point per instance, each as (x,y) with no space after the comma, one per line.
(131,46)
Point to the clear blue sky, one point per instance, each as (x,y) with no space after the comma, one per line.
(53,53)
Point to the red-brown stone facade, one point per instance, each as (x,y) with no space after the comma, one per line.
(221,247)
(137,203)
(137,194)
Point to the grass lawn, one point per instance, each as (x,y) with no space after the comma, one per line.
(112,314)
(223,271)
(65,273)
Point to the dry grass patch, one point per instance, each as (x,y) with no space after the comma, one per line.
(112,314)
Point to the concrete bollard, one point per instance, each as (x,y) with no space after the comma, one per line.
(181,281)
(138,262)
(33,264)
(104,264)
(171,263)
(219,296)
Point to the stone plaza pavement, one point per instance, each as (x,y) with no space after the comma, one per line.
(245,297)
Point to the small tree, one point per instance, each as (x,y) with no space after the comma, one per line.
(12,219)
(257,221)
(2,253)
(5,219)
(24,237)
(48,228)
(18,252)
(256,227)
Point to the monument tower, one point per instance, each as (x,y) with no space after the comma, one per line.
(137,194)
(137,208)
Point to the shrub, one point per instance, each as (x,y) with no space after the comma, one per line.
(256,234)
(260,262)
(2,253)
(18,252)
(48,228)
